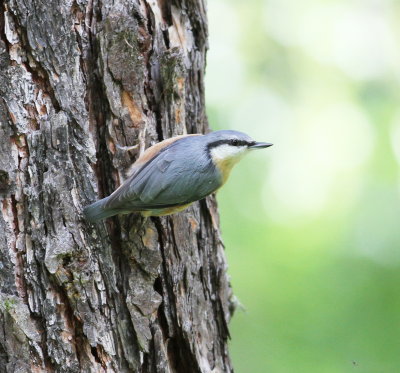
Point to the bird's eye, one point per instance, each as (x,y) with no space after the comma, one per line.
(235,142)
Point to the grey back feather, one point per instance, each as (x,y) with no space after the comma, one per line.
(181,173)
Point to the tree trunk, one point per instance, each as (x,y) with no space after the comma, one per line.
(80,81)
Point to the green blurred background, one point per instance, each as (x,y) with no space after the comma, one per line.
(311,225)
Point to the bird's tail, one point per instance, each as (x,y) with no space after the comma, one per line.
(97,211)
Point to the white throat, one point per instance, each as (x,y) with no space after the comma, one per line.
(227,153)
(225,157)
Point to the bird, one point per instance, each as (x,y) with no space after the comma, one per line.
(172,174)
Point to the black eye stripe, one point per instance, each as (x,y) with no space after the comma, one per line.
(236,142)
(233,142)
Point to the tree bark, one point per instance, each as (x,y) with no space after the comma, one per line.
(80,81)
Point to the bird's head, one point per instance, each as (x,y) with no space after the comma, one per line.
(227,147)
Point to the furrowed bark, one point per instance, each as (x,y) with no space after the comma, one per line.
(80,82)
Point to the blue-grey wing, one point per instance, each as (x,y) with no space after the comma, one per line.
(168,180)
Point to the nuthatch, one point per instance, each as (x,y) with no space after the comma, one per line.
(174,173)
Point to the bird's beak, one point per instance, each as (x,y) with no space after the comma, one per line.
(260,145)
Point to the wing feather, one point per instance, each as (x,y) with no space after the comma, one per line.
(168,179)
